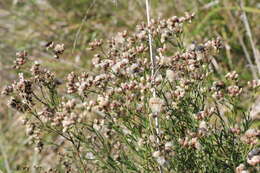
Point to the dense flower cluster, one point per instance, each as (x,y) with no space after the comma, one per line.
(21,58)
(57,49)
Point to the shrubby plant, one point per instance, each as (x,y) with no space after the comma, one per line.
(109,120)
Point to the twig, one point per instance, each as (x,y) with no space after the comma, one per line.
(78,152)
(249,34)
(37,98)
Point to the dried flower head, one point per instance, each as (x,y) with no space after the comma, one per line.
(156,104)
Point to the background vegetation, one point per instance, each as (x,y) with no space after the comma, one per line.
(30,24)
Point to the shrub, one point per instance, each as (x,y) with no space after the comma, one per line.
(126,115)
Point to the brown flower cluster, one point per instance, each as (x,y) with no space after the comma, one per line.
(57,49)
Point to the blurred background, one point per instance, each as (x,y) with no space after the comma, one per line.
(30,24)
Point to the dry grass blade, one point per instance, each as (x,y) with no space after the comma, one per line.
(250,36)
(81,25)
(153,61)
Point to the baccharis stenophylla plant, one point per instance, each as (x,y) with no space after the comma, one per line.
(105,117)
